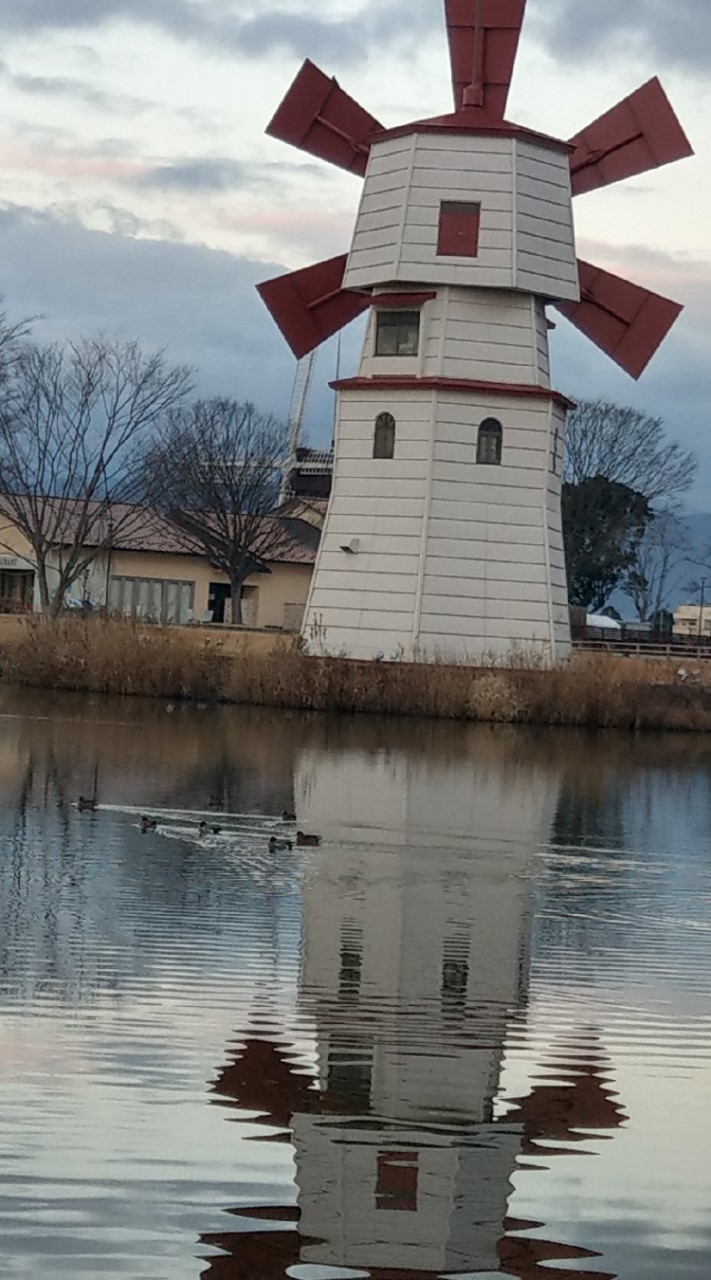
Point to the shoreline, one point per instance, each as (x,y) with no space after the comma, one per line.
(97,655)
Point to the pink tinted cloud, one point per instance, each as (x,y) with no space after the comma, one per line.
(69,164)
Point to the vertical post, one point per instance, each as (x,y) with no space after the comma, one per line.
(701,610)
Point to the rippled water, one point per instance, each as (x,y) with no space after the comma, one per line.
(469,1034)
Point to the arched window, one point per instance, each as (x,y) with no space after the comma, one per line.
(384,438)
(490,443)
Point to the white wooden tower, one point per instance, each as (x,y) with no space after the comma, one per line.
(443,536)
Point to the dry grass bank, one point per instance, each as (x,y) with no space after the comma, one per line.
(123,658)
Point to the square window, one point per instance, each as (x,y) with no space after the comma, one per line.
(397,333)
(459,224)
(398,1176)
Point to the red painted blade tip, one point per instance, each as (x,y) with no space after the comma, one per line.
(319,117)
(639,134)
(629,323)
(311,305)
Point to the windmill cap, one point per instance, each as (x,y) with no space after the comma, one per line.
(475,121)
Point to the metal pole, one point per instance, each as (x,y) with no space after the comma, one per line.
(701,610)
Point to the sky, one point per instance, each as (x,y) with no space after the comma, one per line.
(140,196)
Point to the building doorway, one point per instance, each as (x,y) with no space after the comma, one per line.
(218,595)
(17,589)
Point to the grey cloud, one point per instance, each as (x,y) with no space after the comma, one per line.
(218,24)
(200,174)
(678,32)
(220,173)
(199,303)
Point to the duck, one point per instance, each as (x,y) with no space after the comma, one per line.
(288,817)
(149,824)
(206,830)
(279,846)
(86,806)
(307,841)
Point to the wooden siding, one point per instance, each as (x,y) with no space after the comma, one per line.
(545,238)
(485,334)
(526,237)
(454,559)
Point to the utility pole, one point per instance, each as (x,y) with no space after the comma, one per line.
(701,610)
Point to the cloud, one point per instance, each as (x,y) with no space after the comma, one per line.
(678,32)
(677,384)
(220,25)
(199,174)
(200,304)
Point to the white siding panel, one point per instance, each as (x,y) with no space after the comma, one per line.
(520,522)
(331,580)
(475,595)
(445,568)
(461,183)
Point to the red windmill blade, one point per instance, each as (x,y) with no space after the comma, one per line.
(626,321)
(319,117)
(483,42)
(311,305)
(641,133)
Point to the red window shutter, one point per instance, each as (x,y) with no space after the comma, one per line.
(398,1176)
(458,229)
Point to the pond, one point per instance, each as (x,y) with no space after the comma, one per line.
(468,1034)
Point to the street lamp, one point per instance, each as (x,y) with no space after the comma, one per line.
(701,610)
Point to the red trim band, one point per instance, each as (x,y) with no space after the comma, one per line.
(394,382)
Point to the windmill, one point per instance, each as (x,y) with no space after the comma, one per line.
(449,441)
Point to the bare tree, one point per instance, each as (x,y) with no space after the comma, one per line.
(214,474)
(663,548)
(74,423)
(627,447)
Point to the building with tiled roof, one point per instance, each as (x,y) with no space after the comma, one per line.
(155,572)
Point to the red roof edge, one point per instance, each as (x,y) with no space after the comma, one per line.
(395,382)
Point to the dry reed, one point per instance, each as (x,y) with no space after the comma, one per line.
(121,657)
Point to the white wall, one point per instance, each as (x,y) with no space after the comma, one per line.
(454,559)
(425,858)
(526,236)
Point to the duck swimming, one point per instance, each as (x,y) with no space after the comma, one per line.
(86,806)
(288,817)
(279,846)
(149,824)
(205,830)
(307,841)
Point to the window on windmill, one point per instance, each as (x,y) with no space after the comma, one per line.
(397,333)
(459,223)
(397,1181)
(384,437)
(490,443)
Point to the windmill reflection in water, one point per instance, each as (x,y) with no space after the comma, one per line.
(414,978)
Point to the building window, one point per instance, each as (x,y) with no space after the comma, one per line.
(398,1176)
(384,438)
(397,333)
(490,443)
(350,1072)
(459,224)
(152,599)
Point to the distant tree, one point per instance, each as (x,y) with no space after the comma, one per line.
(659,553)
(603,522)
(214,472)
(619,466)
(74,422)
(627,447)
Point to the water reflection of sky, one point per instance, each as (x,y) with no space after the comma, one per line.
(468,1035)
